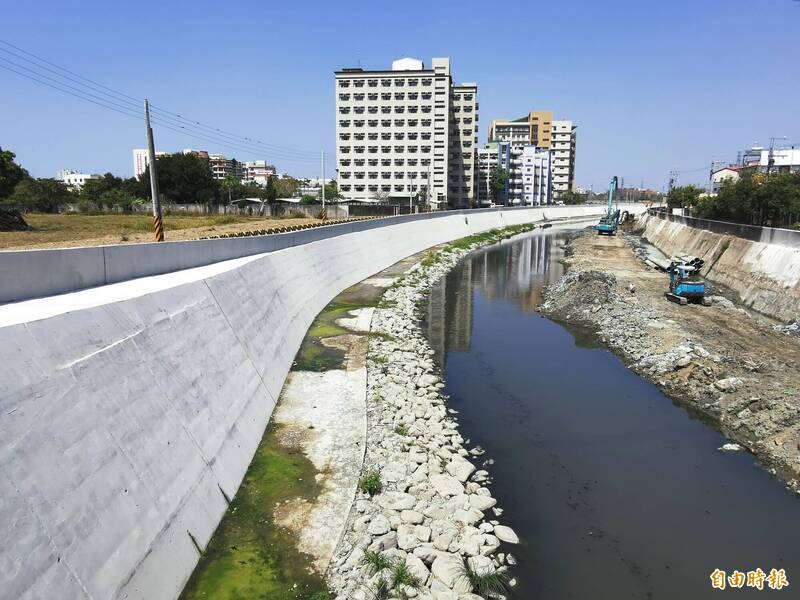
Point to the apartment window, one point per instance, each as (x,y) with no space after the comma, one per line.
(344,136)
(386,82)
(425,148)
(413,109)
(386,162)
(386,123)
(345,188)
(412,136)
(426,122)
(386,148)
(372,82)
(413,95)
(412,149)
(373,149)
(467,121)
(399,188)
(399,96)
(426,109)
(359,110)
(359,174)
(386,109)
(345,174)
(372,122)
(386,175)
(345,162)
(399,135)
(399,175)
(359,162)
(344,110)
(358,123)
(372,110)
(412,162)
(373,162)
(426,95)
(373,136)
(399,82)
(399,162)
(425,162)
(386,96)
(399,109)
(386,188)
(467,109)
(426,82)
(413,82)
(456,109)
(372,96)
(412,122)
(358,149)
(426,135)
(344,83)
(386,135)
(466,132)
(359,136)
(359,188)
(399,122)
(467,144)
(358,97)
(344,123)
(359,83)
(344,96)
(399,149)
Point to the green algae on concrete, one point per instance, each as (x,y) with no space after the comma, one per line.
(249,557)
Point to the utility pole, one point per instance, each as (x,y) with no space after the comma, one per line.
(323,180)
(151,157)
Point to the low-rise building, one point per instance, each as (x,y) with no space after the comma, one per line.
(74,180)
(258,172)
(776,160)
(719,177)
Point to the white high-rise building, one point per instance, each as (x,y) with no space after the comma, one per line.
(140,161)
(530,180)
(405,132)
(539,129)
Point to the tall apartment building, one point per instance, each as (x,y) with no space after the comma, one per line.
(539,129)
(530,169)
(258,172)
(406,131)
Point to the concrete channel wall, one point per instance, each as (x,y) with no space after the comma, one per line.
(127,423)
(766,276)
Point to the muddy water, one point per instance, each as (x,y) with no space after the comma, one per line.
(616,492)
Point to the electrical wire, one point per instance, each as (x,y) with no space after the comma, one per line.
(130,107)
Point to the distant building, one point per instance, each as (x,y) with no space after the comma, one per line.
(74,179)
(539,129)
(140,161)
(407,130)
(719,177)
(258,172)
(530,180)
(783,160)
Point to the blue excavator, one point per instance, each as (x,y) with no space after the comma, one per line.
(610,221)
(685,284)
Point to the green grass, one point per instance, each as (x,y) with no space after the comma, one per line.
(401,430)
(487,584)
(402,576)
(371,483)
(248,556)
(376,562)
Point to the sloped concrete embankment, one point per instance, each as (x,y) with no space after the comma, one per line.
(765,276)
(128,418)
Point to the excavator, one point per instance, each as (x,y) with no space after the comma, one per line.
(610,221)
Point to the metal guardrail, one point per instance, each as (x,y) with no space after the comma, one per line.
(754,233)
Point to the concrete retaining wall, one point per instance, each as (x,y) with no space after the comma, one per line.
(765,276)
(126,422)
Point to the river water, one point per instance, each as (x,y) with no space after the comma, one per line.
(615,491)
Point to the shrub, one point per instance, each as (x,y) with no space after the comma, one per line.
(376,562)
(371,483)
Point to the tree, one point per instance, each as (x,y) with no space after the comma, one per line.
(184,178)
(270,193)
(232,188)
(10,173)
(308,199)
(42,195)
(286,187)
(331,191)
(570,197)
(498,178)
(683,196)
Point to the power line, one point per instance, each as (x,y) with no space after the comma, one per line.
(180,124)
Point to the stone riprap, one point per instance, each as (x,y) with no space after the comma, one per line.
(435,515)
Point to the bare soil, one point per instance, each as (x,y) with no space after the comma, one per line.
(735,371)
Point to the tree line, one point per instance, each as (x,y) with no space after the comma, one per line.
(182,179)
(752,199)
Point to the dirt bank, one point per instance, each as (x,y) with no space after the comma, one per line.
(738,373)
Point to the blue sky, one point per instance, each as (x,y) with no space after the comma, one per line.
(651,86)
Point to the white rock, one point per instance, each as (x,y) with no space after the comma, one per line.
(379,526)
(480,502)
(730,447)
(449,569)
(396,500)
(418,568)
(467,517)
(407,537)
(460,468)
(506,534)
(412,517)
(447,485)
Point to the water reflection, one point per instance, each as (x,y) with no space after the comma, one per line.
(515,271)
